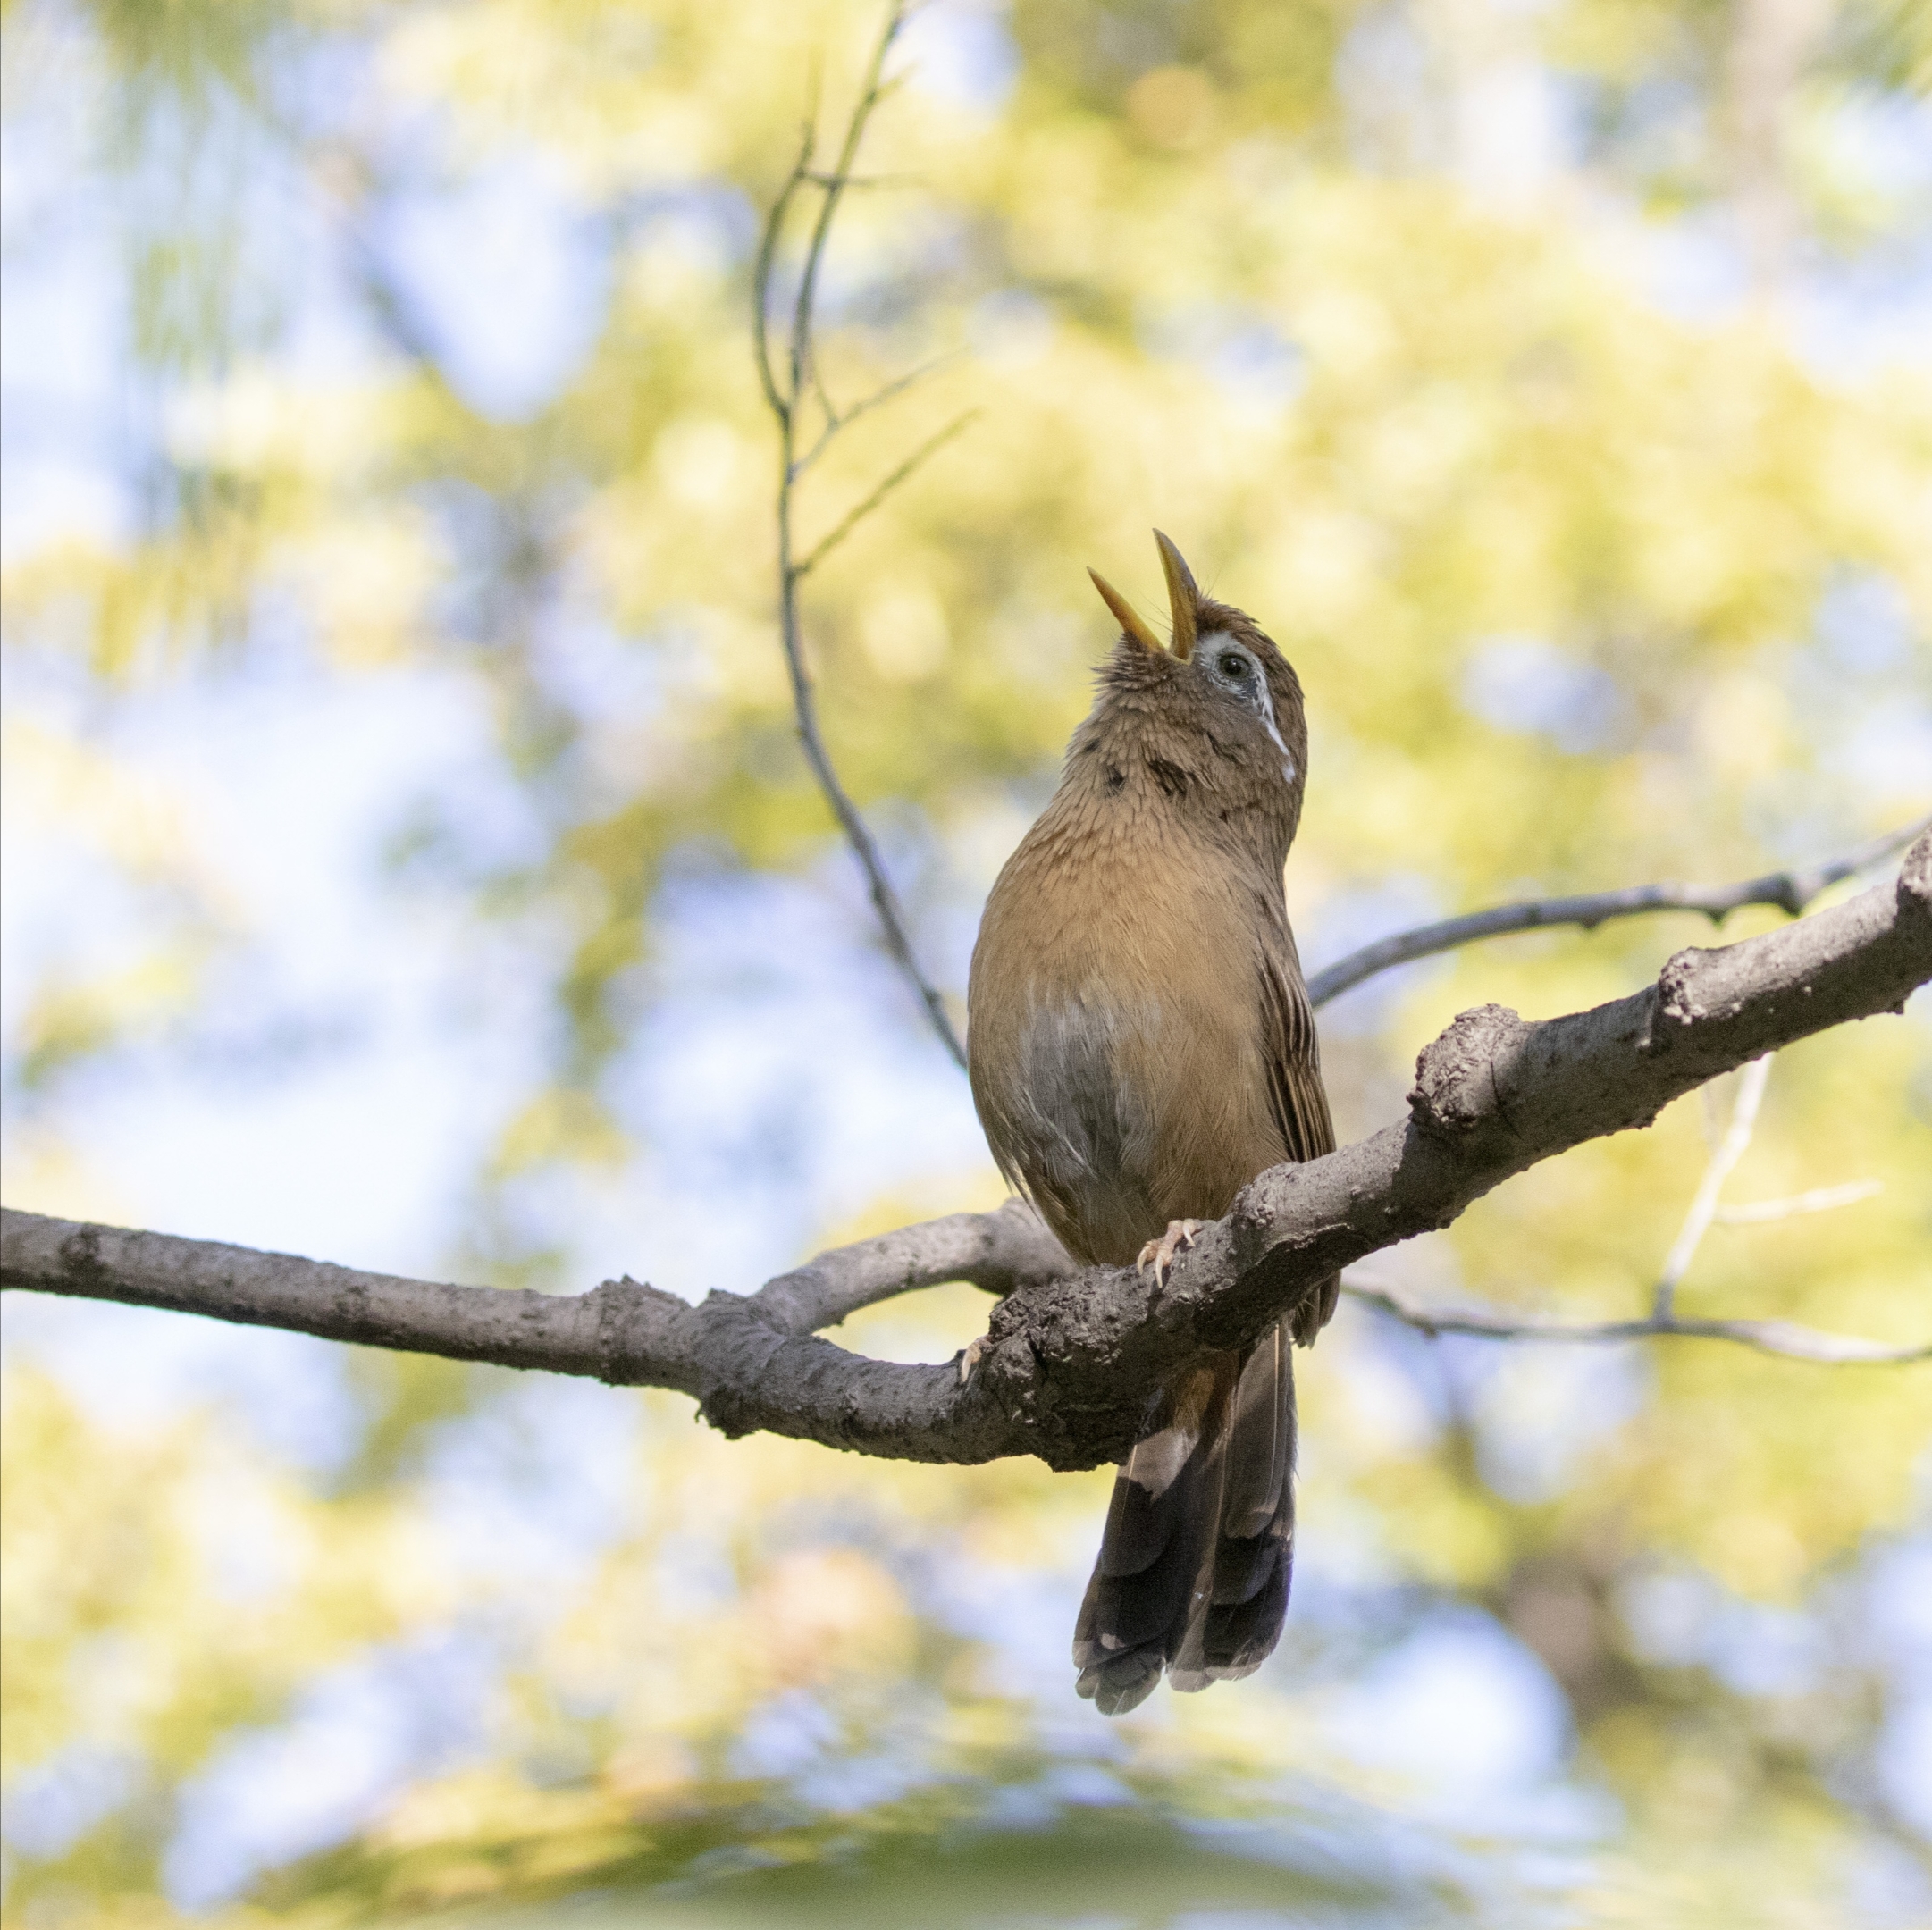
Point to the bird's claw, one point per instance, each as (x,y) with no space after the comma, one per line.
(970,1359)
(1159,1253)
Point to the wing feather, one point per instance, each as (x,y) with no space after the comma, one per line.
(1296,1096)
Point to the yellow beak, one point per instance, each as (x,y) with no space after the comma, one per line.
(1129,619)
(1182,597)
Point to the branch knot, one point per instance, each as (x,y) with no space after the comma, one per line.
(1677,1006)
(1915,879)
(1456,1087)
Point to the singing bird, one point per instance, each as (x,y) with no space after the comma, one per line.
(1141,1046)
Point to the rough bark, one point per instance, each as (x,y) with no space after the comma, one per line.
(1072,1354)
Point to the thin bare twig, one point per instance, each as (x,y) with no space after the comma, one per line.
(877,399)
(768,249)
(1821,1199)
(785,397)
(1664,1322)
(1724,1156)
(858,512)
(850,181)
(1790,891)
(832,189)
(1768,1337)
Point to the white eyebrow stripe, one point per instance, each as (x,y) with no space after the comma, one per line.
(1221,639)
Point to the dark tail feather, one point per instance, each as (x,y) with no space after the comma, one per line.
(1196,1562)
(1139,1595)
(1237,1613)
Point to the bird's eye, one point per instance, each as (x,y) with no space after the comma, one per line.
(1232,665)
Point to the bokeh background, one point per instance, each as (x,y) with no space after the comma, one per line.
(408,861)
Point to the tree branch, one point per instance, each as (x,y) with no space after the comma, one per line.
(768,250)
(1724,1156)
(861,509)
(1768,1337)
(1790,891)
(784,399)
(1819,1199)
(890,392)
(1072,1354)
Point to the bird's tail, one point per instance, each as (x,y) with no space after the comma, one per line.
(1194,1563)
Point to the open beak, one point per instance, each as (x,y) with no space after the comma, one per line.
(1183,600)
(1182,597)
(1129,618)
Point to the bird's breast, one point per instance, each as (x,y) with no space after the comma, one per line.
(1114,1036)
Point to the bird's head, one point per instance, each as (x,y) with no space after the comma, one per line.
(1219,680)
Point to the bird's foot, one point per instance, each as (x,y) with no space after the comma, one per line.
(970,1359)
(1159,1253)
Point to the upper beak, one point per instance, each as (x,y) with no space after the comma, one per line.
(1182,597)
(1183,600)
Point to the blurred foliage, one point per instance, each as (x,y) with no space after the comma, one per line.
(1591,576)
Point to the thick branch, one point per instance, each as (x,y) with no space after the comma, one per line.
(1073,1355)
(1790,891)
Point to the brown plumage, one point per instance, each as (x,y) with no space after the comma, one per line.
(1141,1046)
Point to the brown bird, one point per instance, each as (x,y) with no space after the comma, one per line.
(1141,1046)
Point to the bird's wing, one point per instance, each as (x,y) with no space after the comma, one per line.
(1296,1096)
(1240,1595)
(1199,1553)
